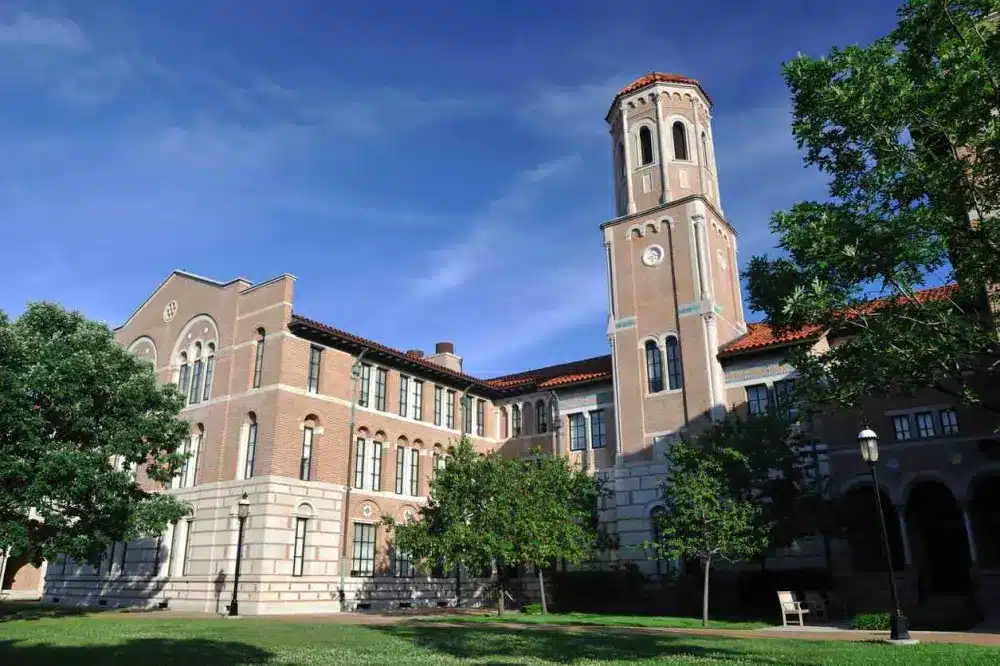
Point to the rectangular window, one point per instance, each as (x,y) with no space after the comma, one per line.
(414,472)
(359,464)
(480,417)
(757,399)
(515,417)
(949,422)
(784,397)
(438,399)
(258,364)
(925,424)
(299,551)
(380,380)
(305,467)
(185,547)
(195,395)
(209,373)
(901,426)
(467,414)
(366,380)
(597,432)
(402,564)
(376,477)
(400,468)
(418,400)
(191,465)
(251,450)
(315,360)
(449,411)
(363,562)
(404,394)
(577,433)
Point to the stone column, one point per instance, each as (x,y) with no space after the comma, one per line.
(904,535)
(967,521)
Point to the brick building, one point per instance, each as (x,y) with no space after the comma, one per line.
(271,395)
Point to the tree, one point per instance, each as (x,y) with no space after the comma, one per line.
(491,510)
(906,131)
(78,414)
(703,518)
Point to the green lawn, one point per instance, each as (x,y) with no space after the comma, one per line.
(113,639)
(586,619)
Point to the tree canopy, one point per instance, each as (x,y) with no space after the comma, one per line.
(907,130)
(78,415)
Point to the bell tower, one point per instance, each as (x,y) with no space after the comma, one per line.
(673,283)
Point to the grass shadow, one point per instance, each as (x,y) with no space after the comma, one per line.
(36,610)
(145,651)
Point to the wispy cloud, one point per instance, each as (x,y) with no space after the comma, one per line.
(27,30)
(571,111)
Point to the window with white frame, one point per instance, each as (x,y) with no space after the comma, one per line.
(404,394)
(597,432)
(315,363)
(184,375)
(381,377)
(757,401)
(438,404)
(925,424)
(251,446)
(645,145)
(417,406)
(675,372)
(402,564)
(185,546)
(299,549)
(654,367)
(680,141)
(449,411)
(258,364)
(577,432)
(375,466)
(414,472)
(193,448)
(368,464)
(365,388)
(363,562)
(901,427)
(480,417)
(209,371)
(949,421)
(194,396)
(467,414)
(407,470)
(305,464)
(515,419)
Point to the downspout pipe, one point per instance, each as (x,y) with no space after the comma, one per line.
(344,510)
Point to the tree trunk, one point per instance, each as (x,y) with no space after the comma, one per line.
(501,591)
(541,586)
(707,563)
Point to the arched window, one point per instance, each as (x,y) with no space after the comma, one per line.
(654,366)
(680,141)
(184,375)
(704,148)
(209,371)
(675,376)
(621,161)
(308,432)
(258,365)
(504,423)
(541,416)
(251,446)
(195,395)
(646,145)
(515,417)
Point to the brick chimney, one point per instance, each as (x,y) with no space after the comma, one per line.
(444,355)
(415,353)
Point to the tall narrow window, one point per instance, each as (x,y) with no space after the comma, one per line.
(251,447)
(363,562)
(449,411)
(577,432)
(467,414)
(359,464)
(480,417)
(380,381)
(597,432)
(414,472)
(305,466)
(418,400)
(504,423)
(209,372)
(901,427)
(195,395)
(925,424)
(515,418)
(757,399)
(185,547)
(315,362)
(949,422)
(402,564)
(675,375)
(680,141)
(622,166)
(438,400)
(299,550)
(646,145)
(194,449)
(704,149)
(184,376)
(366,380)
(654,367)
(376,477)
(784,397)
(400,468)
(541,417)
(404,394)
(258,364)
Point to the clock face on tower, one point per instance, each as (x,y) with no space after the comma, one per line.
(652,255)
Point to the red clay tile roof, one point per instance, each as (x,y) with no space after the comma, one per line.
(761,336)
(660,77)
(564,374)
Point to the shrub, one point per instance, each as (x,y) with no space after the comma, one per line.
(531,609)
(871,622)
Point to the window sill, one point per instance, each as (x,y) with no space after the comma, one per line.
(664,392)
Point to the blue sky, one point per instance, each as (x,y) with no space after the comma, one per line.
(429,171)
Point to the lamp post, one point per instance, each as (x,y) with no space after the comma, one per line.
(242,512)
(868,441)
